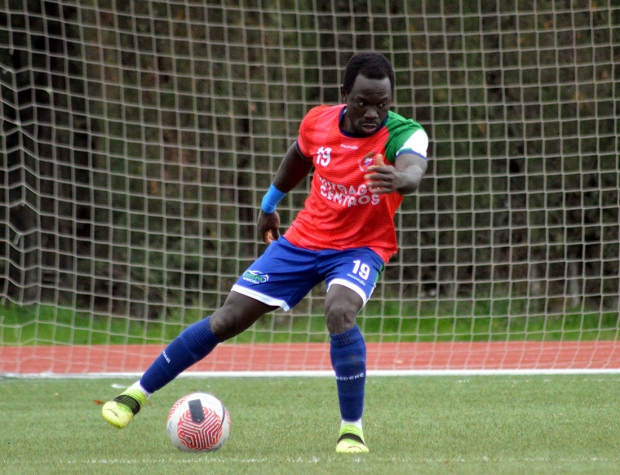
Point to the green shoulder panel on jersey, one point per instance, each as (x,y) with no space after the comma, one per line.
(399,129)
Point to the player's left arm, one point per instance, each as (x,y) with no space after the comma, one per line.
(409,167)
(404,177)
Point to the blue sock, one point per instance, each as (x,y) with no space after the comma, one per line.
(192,345)
(348,355)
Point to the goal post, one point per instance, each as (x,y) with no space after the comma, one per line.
(138,139)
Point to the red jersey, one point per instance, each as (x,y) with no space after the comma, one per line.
(341,212)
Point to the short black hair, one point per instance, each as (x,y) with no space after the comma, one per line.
(370,65)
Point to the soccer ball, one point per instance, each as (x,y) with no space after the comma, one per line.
(198,422)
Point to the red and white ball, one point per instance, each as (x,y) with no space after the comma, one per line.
(198,422)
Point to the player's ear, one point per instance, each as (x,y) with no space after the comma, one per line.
(343,94)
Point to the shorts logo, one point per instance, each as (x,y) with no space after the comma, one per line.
(255,277)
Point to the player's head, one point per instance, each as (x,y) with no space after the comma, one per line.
(370,65)
(367,90)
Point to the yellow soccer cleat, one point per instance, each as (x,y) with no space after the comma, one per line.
(120,411)
(351,440)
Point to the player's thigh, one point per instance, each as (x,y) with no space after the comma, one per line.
(238,313)
(351,277)
(341,308)
(356,269)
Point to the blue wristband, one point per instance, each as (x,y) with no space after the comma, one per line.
(271,199)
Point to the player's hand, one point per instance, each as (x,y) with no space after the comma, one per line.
(269,226)
(382,179)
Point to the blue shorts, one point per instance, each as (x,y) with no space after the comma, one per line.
(284,274)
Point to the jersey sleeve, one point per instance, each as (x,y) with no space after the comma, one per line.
(417,144)
(405,135)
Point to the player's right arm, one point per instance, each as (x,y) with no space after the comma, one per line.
(293,169)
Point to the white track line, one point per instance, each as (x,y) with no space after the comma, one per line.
(302,374)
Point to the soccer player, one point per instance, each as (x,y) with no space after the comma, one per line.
(365,158)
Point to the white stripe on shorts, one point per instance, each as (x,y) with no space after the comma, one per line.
(349,285)
(261,297)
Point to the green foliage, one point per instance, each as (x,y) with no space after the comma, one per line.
(157,124)
(58,326)
(465,321)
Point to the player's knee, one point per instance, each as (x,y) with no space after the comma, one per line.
(229,322)
(236,315)
(221,326)
(340,317)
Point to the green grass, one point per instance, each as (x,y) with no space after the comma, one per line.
(429,425)
(498,320)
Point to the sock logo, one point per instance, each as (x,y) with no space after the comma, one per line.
(351,378)
(165,356)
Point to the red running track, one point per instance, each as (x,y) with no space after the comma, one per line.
(75,360)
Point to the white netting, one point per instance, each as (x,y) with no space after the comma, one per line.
(139,137)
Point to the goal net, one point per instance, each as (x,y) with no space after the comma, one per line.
(138,138)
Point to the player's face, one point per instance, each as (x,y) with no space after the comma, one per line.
(368,104)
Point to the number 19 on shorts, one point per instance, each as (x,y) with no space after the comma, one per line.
(360,269)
